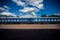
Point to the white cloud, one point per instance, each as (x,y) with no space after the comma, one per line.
(8,14)
(36,3)
(5,11)
(40,6)
(27,16)
(6,7)
(57,14)
(34,13)
(27,10)
(19,2)
(1,8)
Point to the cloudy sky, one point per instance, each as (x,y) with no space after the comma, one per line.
(31,7)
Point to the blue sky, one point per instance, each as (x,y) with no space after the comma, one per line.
(49,7)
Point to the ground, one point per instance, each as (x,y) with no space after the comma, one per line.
(29,26)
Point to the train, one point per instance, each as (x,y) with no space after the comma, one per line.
(29,20)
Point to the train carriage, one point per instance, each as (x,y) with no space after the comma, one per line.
(29,20)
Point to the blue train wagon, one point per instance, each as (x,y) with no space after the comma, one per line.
(29,20)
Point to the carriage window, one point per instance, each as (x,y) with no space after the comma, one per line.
(8,20)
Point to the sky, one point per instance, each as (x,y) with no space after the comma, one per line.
(29,7)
